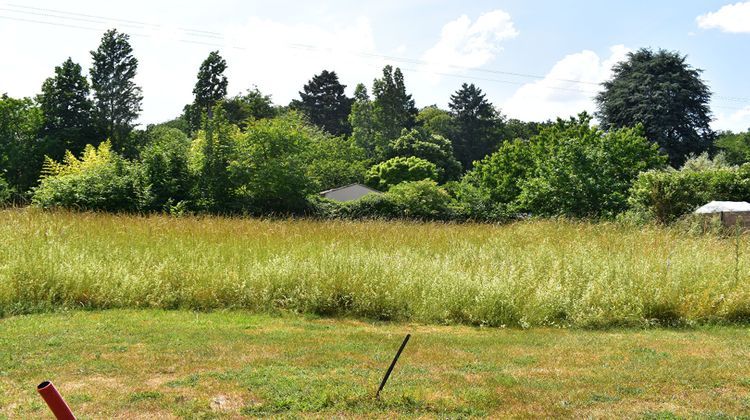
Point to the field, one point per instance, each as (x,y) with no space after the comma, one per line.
(526,274)
(166,364)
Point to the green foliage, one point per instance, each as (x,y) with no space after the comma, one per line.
(252,105)
(165,168)
(665,94)
(665,196)
(334,161)
(478,125)
(99,180)
(501,174)
(430,147)
(324,103)
(423,200)
(269,168)
(437,121)
(211,86)
(117,99)
(65,103)
(581,171)
(736,147)
(393,108)
(212,152)
(364,127)
(21,149)
(400,169)
(570,168)
(6,193)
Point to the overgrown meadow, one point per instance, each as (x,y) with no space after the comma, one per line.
(524,274)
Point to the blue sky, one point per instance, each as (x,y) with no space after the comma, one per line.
(277,46)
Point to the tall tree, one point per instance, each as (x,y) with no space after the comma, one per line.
(477,125)
(394,109)
(21,151)
(324,103)
(211,86)
(665,94)
(117,99)
(252,105)
(66,106)
(362,120)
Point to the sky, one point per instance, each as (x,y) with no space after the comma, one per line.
(535,60)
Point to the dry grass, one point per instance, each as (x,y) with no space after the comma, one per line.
(536,273)
(177,364)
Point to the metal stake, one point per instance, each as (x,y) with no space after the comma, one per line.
(393,363)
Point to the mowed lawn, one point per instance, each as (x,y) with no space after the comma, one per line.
(164,364)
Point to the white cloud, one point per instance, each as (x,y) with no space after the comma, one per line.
(733,18)
(739,120)
(470,45)
(567,89)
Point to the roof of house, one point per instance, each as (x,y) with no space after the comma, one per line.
(724,206)
(356,184)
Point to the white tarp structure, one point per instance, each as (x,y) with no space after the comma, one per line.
(724,207)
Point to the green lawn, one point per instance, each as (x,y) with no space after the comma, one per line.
(153,363)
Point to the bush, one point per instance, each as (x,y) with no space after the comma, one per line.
(371,206)
(400,169)
(5,192)
(430,147)
(423,200)
(165,168)
(100,180)
(665,196)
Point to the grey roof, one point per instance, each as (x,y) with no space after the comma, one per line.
(724,207)
(356,184)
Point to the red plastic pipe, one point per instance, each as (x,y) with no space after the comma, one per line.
(55,401)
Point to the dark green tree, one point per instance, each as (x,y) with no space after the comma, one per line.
(215,192)
(21,149)
(252,105)
(478,125)
(665,94)
(211,86)
(66,107)
(324,103)
(117,99)
(393,108)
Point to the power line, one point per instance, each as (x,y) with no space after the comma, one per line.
(56,14)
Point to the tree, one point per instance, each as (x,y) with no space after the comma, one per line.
(393,108)
(400,169)
(324,103)
(66,107)
(437,121)
(335,161)
(216,144)
(253,104)
(211,86)
(665,94)
(165,168)
(477,122)
(736,147)
(117,99)
(364,128)
(270,165)
(21,149)
(431,147)
(582,171)
(500,174)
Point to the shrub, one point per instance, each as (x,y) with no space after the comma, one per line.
(400,169)
(665,196)
(100,180)
(5,192)
(423,200)
(430,147)
(371,206)
(165,168)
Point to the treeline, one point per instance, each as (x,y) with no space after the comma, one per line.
(76,146)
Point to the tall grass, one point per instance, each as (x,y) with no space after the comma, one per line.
(523,274)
